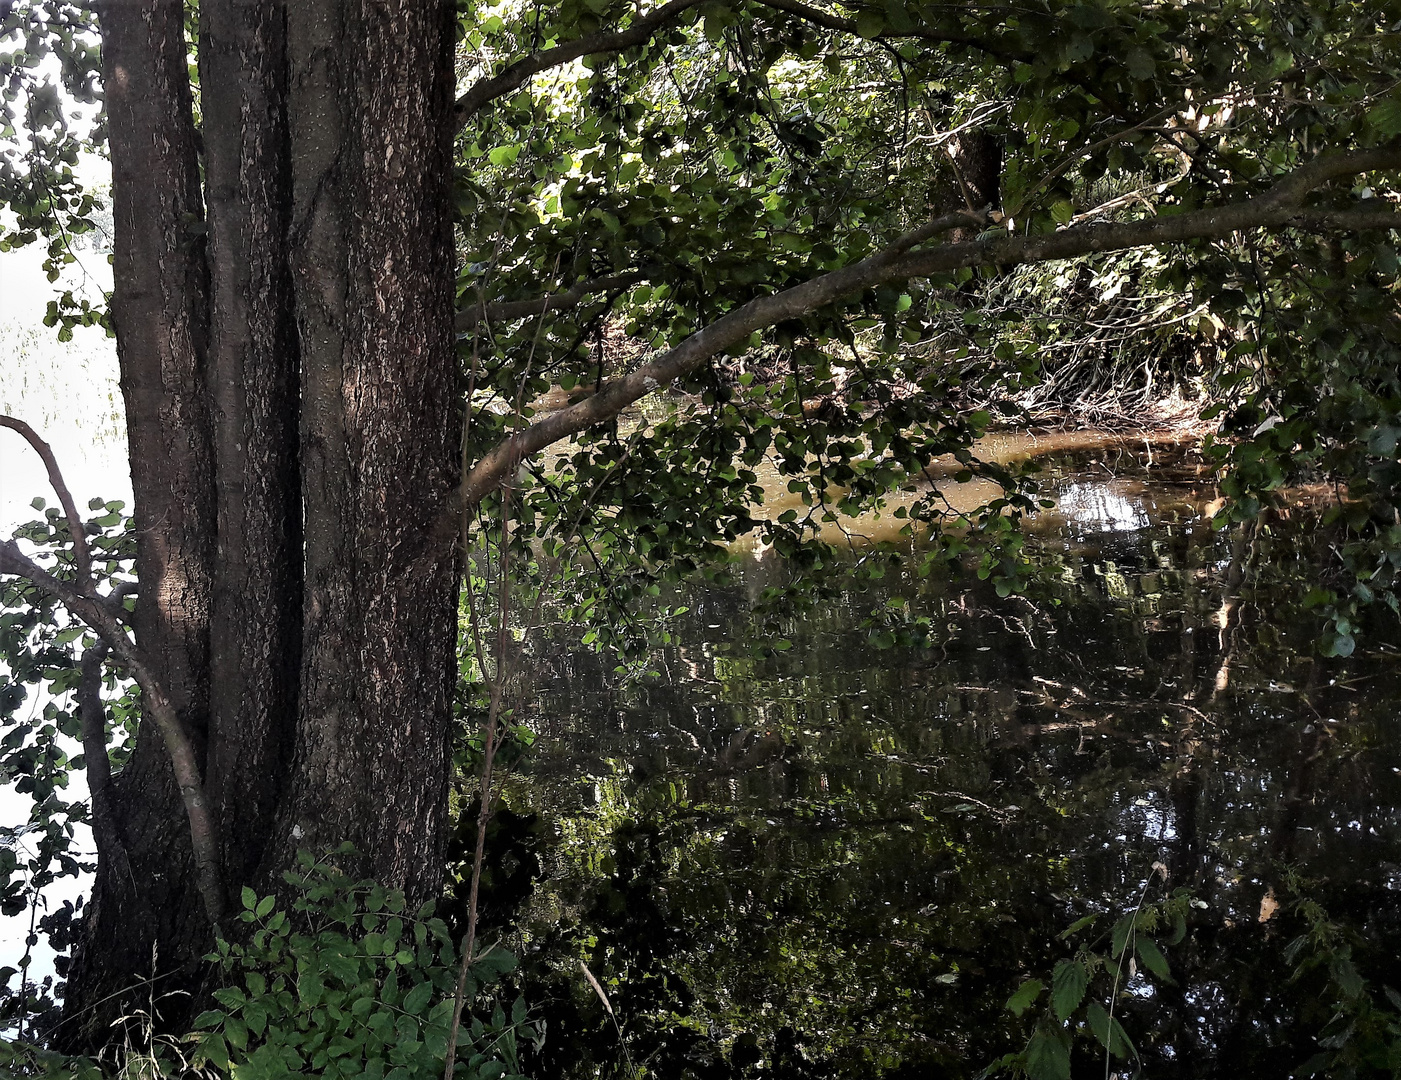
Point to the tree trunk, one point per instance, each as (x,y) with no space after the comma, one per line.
(144,922)
(291,393)
(371,117)
(255,632)
(977,160)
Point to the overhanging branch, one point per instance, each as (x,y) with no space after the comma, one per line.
(83,600)
(81,556)
(1277,208)
(516,74)
(828,21)
(510,310)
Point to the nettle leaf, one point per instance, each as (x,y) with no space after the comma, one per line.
(1153,958)
(1109,1031)
(1025,996)
(1122,931)
(1068,985)
(1048,1055)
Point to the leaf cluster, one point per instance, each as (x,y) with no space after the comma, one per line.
(344,982)
(1086,988)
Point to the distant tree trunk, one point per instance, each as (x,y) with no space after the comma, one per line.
(290,375)
(977,160)
(978,154)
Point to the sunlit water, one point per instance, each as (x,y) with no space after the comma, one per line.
(841,861)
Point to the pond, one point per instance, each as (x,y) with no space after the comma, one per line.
(841,861)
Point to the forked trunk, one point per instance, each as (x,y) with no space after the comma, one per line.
(291,385)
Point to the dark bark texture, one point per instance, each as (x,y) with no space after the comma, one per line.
(253,377)
(289,369)
(147,918)
(371,130)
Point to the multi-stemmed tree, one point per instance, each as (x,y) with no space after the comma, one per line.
(345,231)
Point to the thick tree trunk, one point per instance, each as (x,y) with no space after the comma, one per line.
(147,920)
(253,375)
(371,118)
(291,400)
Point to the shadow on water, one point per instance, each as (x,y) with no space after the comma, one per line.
(841,861)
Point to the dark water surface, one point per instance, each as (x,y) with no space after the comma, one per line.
(840,861)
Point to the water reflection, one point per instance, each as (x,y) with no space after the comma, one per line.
(840,861)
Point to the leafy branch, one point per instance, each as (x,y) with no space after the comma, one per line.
(1279,207)
(81,597)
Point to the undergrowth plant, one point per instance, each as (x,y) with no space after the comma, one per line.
(1087,987)
(1360,1036)
(347,983)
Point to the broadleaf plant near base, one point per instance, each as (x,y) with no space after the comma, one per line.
(349,983)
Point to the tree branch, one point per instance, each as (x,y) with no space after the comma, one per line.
(1276,208)
(81,555)
(848,26)
(515,75)
(82,599)
(99,766)
(511,310)
(937,227)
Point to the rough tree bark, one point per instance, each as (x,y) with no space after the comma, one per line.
(160,310)
(290,375)
(255,625)
(371,108)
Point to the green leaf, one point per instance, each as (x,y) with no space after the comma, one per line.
(1382,441)
(417,998)
(870,23)
(1109,1031)
(1048,1056)
(309,988)
(264,906)
(1122,929)
(1068,987)
(256,1017)
(1078,925)
(1153,958)
(1346,976)
(216,1050)
(250,899)
(230,997)
(1385,117)
(236,1031)
(1139,61)
(504,155)
(1027,993)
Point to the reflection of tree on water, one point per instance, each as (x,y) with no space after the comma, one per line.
(851,857)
